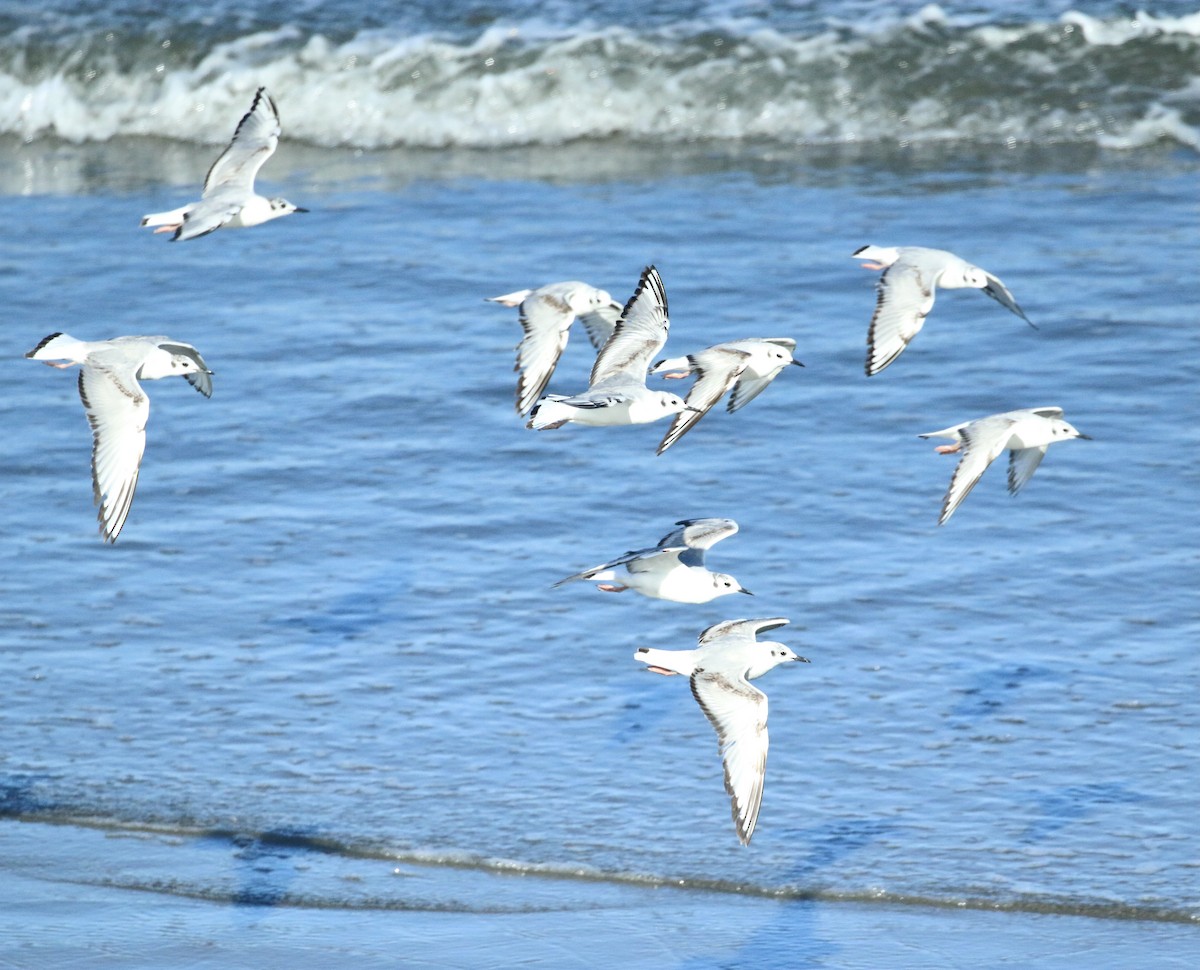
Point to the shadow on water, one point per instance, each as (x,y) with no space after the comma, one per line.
(992,689)
(1072,803)
(793,937)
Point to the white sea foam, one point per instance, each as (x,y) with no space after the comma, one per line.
(925,78)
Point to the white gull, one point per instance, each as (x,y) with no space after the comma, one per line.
(229,198)
(905,293)
(720,670)
(546,315)
(117,407)
(673,570)
(1026,433)
(617,392)
(747,366)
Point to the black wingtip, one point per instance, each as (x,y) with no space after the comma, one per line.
(44,341)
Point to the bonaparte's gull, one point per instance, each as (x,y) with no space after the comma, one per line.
(673,570)
(546,317)
(747,366)
(1025,433)
(117,407)
(720,671)
(905,293)
(617,392)
(229,198)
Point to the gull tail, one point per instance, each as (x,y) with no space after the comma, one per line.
(667,662)
(172,219)
(60,346)
(508,299)
(549,413)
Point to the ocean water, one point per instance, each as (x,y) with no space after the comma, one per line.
(320,701)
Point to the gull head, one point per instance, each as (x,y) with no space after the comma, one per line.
(782,653)
(587,299)
(724,584)
(972,276)
(282,207)
(767,654)
(1061,430)
(671,403)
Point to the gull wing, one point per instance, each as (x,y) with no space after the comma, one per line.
(716,370)
(748,629)
(210,213)
(738,712)
(200,379)
(600,323)
(117,409)
(254,141)
(750,385)
(982,442)
(904,297)
(1001,294)
(640,333)
(638,560)
(546,319)
(698,533)
(1022,463)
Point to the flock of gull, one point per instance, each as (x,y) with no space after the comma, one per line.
(627,339)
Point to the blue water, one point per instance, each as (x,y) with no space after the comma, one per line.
(323,665)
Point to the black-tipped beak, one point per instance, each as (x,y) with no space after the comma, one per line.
(797,363)
(746,591)
(1085,437)
(298,209)
(803,660)
(699,411)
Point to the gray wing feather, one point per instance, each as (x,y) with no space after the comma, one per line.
(1002,295)
(639,335)
(738,712)
(254,141)
(1022,463)
(546,321)
(699,533)
(982,443)
(117,410)
(600,323)
(716,370)
(904,297)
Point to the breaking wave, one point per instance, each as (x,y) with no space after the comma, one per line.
(1115,83)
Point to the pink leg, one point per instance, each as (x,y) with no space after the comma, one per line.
(874,266)
(170,228)
(51,363)
(674,377)
(610,588)
(663,671)
(948,449)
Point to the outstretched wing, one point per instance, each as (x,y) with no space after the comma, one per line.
(639,335)
(747,629)
(600,323)
(254,141)
(716,370)
(1022,463)
(1001,294)
(546,320)
(750,385)
(698,533)
(117,409)
(738,712)
(904,297)
(982,442)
